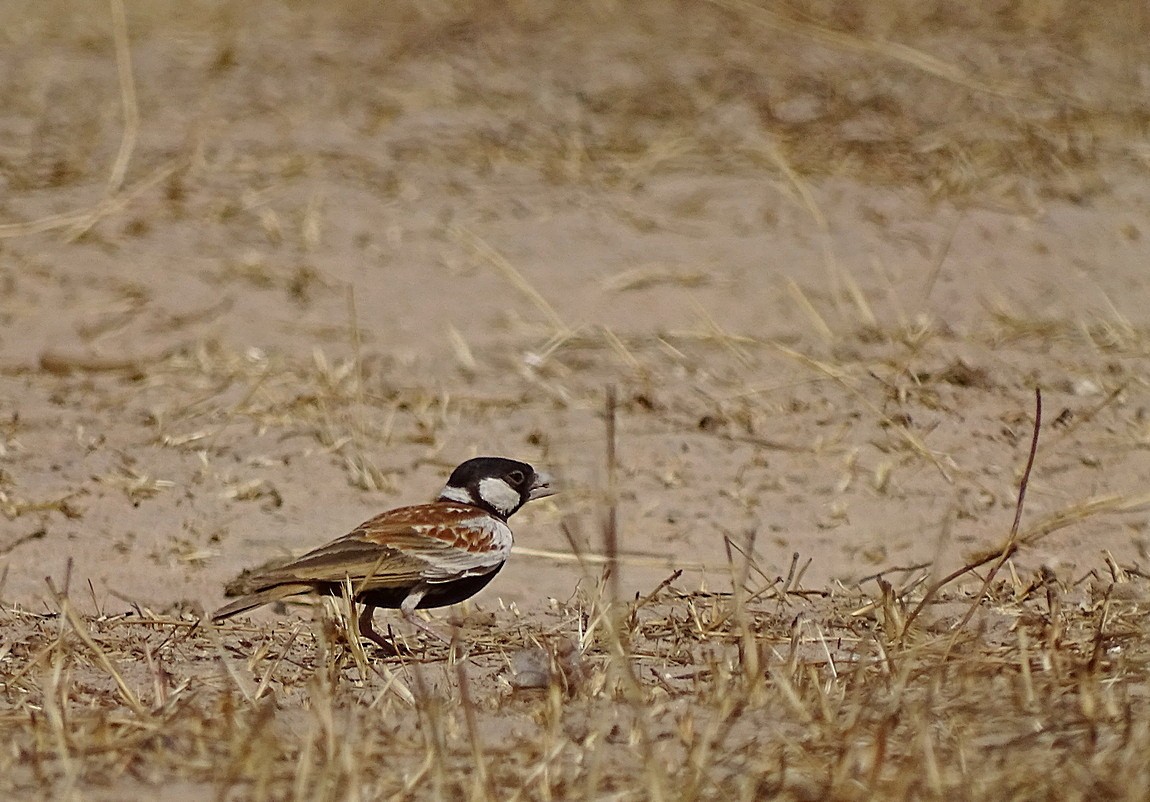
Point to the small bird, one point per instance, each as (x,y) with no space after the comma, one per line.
(427,555)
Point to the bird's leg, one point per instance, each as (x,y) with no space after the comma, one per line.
(368,631)
(407,608)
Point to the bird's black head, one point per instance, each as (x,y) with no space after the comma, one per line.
(498,485)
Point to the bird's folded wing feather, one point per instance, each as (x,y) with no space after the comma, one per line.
(347,558)
(386,552)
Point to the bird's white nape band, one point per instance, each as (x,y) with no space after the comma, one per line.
(460,494)
(499,495)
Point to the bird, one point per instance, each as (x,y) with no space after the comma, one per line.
(409,558)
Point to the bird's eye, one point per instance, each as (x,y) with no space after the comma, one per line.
(516,477)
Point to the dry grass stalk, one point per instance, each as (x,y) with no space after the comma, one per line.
(886,49)
(1000,555)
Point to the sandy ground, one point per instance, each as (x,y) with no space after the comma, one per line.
(325,256)
(785,347)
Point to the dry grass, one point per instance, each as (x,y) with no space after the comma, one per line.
(762,692)
(966,104)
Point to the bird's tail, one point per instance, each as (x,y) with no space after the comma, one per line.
(251,601)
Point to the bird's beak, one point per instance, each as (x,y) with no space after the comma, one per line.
(542,487)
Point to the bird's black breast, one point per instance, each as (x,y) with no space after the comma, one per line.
(440,594)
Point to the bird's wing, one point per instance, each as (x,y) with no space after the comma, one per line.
(430,543)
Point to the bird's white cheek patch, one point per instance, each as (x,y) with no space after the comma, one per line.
(499,495)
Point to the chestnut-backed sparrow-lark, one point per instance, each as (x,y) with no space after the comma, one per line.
(428,555)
